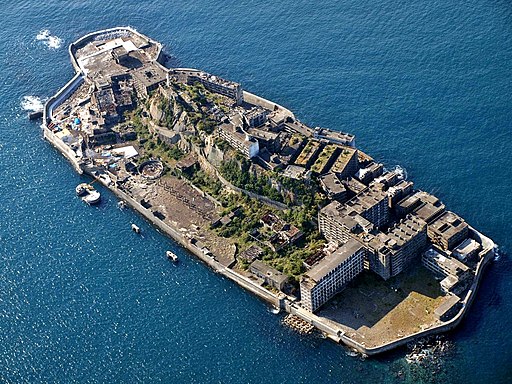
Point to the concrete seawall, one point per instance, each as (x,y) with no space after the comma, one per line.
(338,334)
(257,100)
(57,99)
(173,233)
(332,329)
(73,47)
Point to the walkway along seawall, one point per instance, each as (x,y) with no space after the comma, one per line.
(333,330)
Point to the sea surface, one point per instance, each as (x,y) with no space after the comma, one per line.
(426,84)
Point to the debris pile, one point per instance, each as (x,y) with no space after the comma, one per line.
(299,325)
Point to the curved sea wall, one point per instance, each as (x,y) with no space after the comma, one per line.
(262,102)
(57,99)
(487,256)
(333,330)
(337,333)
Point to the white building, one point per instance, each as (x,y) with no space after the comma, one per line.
(331,275)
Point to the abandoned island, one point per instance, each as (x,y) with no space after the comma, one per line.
(298,216)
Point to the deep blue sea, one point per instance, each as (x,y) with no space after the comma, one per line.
(422,83)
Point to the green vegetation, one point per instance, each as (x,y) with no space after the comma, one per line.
(324,158)
(244,228)
(238,173)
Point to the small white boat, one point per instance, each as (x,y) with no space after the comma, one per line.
(82,189)
(274,310)
(171,255)
(92,197)
(135,228)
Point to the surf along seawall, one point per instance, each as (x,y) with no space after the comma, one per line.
(332,329)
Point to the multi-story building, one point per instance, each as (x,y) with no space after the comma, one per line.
(309,154)
(148,79)
(347,163)
(333,187)
(410,235)
(325,159)
(270,276)
(337,223)
(455,273)
(398,192)
(422,204)
(335,137)
(256,116)
(467,250)
(448,230)
(210,82)
(331,275)
(372,204)
(390,253)
(239,139)
(368,174)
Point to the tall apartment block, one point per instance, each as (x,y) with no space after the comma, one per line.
(331,275)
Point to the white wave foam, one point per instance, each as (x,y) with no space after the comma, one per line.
(498,253)
(32,103)
(51,41)
(400,171)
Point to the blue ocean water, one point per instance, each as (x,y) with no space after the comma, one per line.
(424,84)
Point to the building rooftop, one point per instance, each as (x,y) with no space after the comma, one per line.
(334,136)
(367,199)
(330,262)
(446,306)
(346,154)
(308,152)
(331,184)
(448,224)
(450,264)
(424,205)
(268,271)
(406,229)
(325,158)
(467,247)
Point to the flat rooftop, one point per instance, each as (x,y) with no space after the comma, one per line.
(330,262)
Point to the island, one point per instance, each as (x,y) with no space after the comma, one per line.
(299,216)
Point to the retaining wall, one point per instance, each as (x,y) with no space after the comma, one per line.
(265,200)
(243,281)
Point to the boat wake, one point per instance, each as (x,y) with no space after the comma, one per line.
(32,103)
(51,41)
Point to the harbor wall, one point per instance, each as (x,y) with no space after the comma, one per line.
(82,41)
(262,102)
(243,281)
(63,148)
(446,326)
(57,99)
(337,333)
(333,330)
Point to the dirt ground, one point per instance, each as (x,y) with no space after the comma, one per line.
(378,311)
(186,209)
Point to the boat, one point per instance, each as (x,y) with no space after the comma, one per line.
(171,255)
(82,189)
(274,310)
(92,197)
(135,228)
